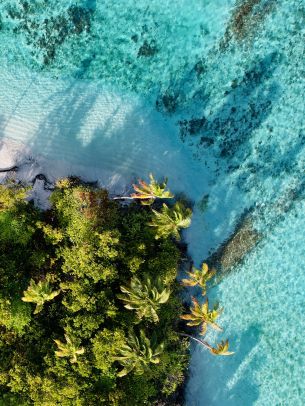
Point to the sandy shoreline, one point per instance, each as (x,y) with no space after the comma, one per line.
(18,162)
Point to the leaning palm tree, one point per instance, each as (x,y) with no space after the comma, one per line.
(169,221)
(39,293)
(201,316)
(69,349)
(149,192)
(199,277)
(144,297)
(138,354)
(222,349)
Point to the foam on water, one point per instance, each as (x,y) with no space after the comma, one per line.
(80,82)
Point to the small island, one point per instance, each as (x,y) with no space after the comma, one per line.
(90,306)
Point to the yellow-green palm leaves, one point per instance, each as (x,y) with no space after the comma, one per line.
(144,297)
(138,354)
(39,293)
(149,192)
(199,277)
(201,316)
(69,349)
(169,221)
(222,349)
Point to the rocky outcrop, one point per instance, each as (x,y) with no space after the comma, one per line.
(10,169)
(243,239)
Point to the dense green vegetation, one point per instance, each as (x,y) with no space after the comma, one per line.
(89,304)
(88,300)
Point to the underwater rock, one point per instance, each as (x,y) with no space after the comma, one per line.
(10,169)
(202,204)
(246,18)
(191,127)
(80,19)
(45,36)
(148,49)
(200,68)
(246,106)
(243,239)
(46,183)
(167,102)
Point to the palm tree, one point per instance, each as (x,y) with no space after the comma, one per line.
(144,297)
(201,316)
(69,349)
(170,220)
(222,349)
(199,277)
(147,193)
(39,293)
(138,354)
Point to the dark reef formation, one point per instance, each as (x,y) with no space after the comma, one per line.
(243,239)
(247,18)
(45,36)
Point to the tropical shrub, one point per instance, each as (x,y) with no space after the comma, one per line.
(138,354)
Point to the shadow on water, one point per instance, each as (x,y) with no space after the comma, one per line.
(236,373)
(87,125)
(64,122)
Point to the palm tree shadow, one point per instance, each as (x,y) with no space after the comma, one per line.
(226,381)
(65,120)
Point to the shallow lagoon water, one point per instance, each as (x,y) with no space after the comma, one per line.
(213,95)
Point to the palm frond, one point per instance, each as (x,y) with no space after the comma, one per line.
(138,354)
(144,297)
(169,221)
(222,349)
(69,349)
(39,293)
(200,315)
(149,192)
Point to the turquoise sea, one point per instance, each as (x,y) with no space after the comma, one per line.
(210,93)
